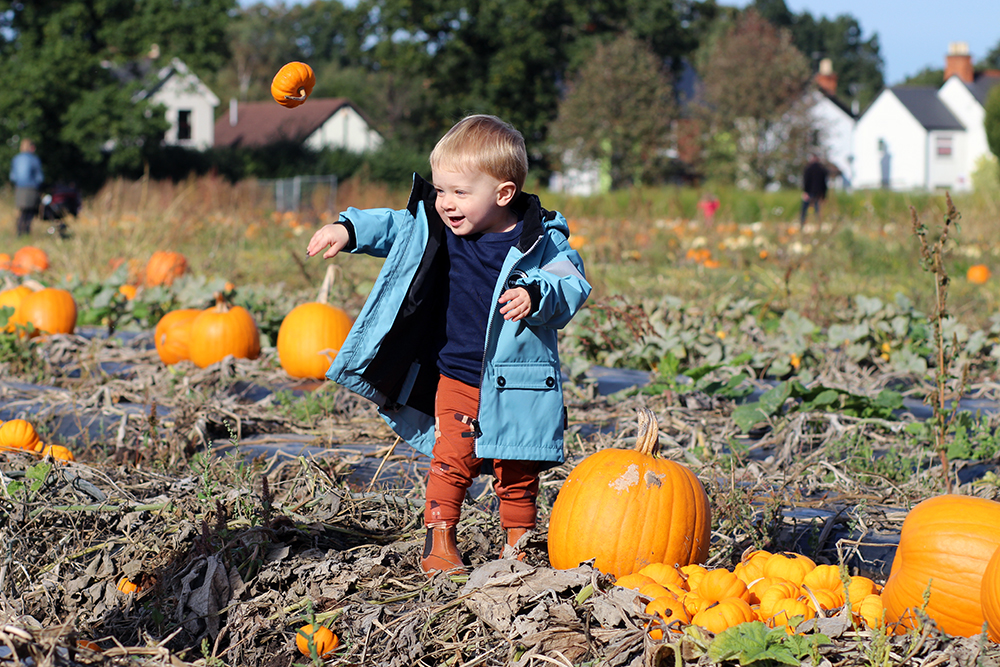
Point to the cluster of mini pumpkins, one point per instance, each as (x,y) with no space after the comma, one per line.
(780,589)
(20,435)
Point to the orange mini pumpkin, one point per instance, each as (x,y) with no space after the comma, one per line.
(671,611)
(637,509)
(126,585)
(323,639)
(723,615)
(293,84)
(18,434)
(223,330)
(789,566)
(978,274)
(28,260)
(11,298)
(164,267)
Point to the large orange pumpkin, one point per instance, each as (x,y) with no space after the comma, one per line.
(165,266)
(292,84)
(51,310)
(945,545)
(627,509)
(11,298)
(29,259)
(172,335)
(311,335)
(990,595)
(223,330)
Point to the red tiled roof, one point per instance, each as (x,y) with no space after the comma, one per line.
(263,123)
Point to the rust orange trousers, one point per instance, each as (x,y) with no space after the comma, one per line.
(454,465)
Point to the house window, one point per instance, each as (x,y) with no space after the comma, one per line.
(183,124)
(943,145)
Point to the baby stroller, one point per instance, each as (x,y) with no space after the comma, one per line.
(64,201)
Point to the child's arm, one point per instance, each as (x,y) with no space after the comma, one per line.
(333,236)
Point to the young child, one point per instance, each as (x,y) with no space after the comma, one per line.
(456,343)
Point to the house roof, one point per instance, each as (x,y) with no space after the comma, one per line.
(925,105)
(836,100)
(263,123)
(982,86)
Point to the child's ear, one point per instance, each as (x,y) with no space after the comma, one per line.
(505,193)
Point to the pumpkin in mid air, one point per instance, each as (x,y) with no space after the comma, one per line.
(292,84)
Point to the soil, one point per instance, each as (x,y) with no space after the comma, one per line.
(240,520)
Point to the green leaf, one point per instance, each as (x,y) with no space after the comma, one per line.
(745,416)
(772,400)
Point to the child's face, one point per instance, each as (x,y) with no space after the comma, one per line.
(473,202)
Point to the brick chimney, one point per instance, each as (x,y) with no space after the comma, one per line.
(959,62)
(826,79)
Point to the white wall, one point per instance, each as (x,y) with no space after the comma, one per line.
(345,129)
(960,100)
(905,140)
(947,172)
(836,129)
(186,92)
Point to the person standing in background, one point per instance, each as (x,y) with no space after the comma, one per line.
(813,187)
(26,175)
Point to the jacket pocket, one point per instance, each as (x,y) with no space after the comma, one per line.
(539,376)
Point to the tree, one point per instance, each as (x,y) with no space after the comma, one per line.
(928,76)
(62,77)
(992,59)
(618,111)
(855,59)
(992,121)
(754,107)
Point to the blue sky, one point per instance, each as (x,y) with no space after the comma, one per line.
(913,34)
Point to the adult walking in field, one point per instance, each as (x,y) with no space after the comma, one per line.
(26,175)
(813,187)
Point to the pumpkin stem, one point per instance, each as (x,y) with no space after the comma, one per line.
(648,436)
(301,98)
(324,289)
(220,303)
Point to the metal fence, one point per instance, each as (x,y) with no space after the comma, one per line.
(316,193)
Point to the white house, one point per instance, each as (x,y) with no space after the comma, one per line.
(190,106)
(921,138)
(317,123)
(834,125)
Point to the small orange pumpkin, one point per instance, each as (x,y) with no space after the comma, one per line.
(792,567)
(638,510)
(58,452)
(978,274)
(51,310)
(860,588)
(720,584)
(126,585)
(172,335)
(664,574)
(29,259)
(634,581)
(671,611)
(871,611)
(311,335)
(323,638)
(18,434)
(293,84)
(723,615)
(223,330)
(164,267)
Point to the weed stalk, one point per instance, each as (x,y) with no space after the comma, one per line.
(932,260)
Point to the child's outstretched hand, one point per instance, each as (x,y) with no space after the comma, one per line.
(333,236)
(518,304)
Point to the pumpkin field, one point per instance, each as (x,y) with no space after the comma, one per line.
(782,443)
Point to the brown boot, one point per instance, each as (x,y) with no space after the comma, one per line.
(440,550)
(510,548)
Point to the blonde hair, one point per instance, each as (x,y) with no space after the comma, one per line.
(483,143)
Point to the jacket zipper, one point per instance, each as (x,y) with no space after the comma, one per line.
(477,431)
